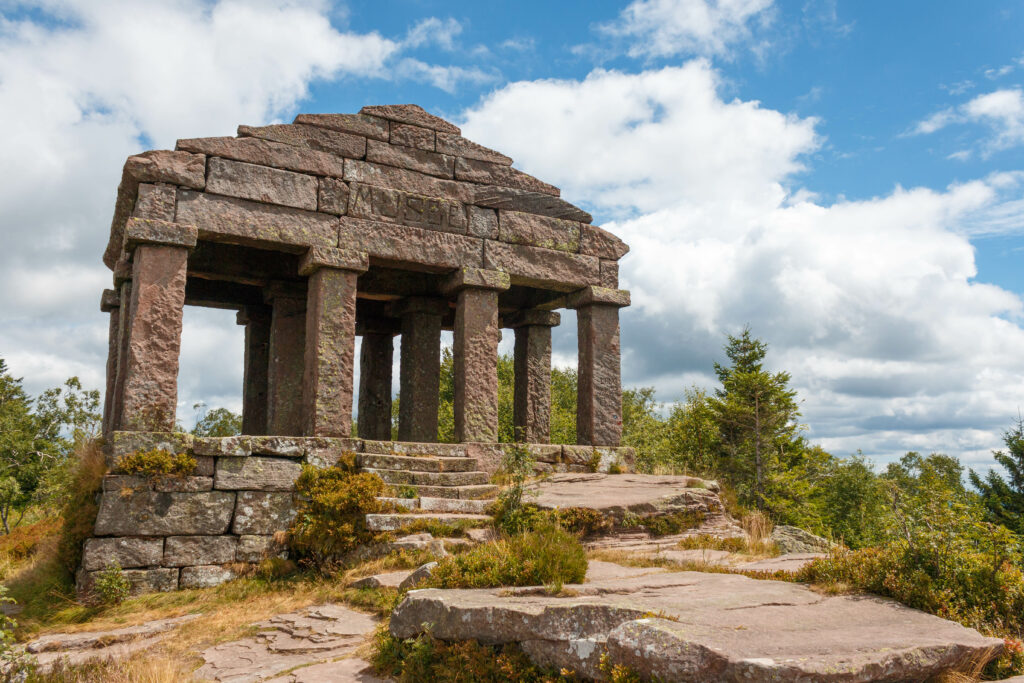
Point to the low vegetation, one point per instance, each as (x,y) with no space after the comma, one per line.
(155,463)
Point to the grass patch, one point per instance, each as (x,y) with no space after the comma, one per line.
(140,668)
(156,463)
(547,556)
(437,529)
(674,523)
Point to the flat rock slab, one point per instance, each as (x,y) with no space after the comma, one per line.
(83,646)
(353,670)
(385,580)
(785,563)
(287,641)
(634,492)
(692,626)
(602,571)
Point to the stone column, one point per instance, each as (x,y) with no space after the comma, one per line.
(330,339)
(420,367)
(476,352)
(159,266)
(286,357)
(123,286)
(257,363)
(376,358)
(531,417)
(599,400)
(110,302)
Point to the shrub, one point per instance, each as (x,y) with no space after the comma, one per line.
(331,517)
(732,544)
(156,463)
(426,658)
(112,586)
(583,521)
(510,512)
(674,523)
(547,556)
(80,506)
(23,541)
(15,663)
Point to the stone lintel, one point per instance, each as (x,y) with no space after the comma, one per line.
(328,257)
(418,304)
(598,295)
(390,326)
(282,289)
(150,231)
(476,278)
(531,317)
(110,300)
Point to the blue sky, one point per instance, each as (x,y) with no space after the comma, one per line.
(845,177)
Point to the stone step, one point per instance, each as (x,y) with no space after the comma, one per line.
(405,478)
(416,463)
(395,521)
(475,492)
(440,504)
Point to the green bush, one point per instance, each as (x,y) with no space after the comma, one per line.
(112,586)
(156,463)
(15,663)
(547,556)
(583,521)
(511,513)
(331,516)
(731,544)
(674,523)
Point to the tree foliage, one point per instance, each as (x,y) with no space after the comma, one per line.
(217,422)
(1004,498)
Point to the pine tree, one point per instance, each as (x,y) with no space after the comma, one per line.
(1004,500)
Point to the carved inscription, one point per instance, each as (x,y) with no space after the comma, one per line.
(396,206)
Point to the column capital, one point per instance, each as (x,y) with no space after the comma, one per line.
(284,289)
(250,314)
(122,271)
(532,316)
(418,304)
(476,278)
(160,233)
(329,257)
(110,301)
(603,296)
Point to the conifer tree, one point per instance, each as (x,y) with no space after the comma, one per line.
(1004,499)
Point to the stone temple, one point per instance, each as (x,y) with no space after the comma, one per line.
(379,224)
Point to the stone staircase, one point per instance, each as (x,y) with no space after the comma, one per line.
(448,490)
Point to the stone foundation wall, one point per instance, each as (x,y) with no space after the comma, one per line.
(190,532)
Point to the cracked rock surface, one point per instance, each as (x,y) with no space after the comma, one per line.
(690,626)
(296,639)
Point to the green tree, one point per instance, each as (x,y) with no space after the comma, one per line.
(757,413)
(853,503)
(217,422)
(1004,498)
(694,442)
(563,405)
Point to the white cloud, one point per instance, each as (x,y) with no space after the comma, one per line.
(871,304)
(84,84)
(663,28)
(440,32)
(1001,111)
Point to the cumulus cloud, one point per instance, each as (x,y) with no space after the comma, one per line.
(84,84)
(1001,111)
(871,304)
(663,28)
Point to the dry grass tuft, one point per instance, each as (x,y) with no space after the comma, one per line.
(758,528)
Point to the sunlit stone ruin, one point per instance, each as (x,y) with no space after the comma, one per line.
(379,224)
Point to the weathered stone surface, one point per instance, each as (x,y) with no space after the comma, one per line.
(150,388)
(615,458)
(386,580)
(483,223)
(595,241)
(408,181)
(524,200)
(261,184)
(286,350)
(617,494)
(411,114)
(709,627)
(456,145)
(262,513)
(67,643)
(285,446)
(517,227)
(419,160)
(314,137)
(350,670)
(420,373)
(357,124)
(599,397)
(609,274)
(151,580)
(591,295)
(485,172)
(330,353)
(266,153)
(204,466)
(545,268)
(376,358)
(130,442)
(413,136)
(791,539)
(332,196)
(401,244)
(184,551)
(252,548)
(162,233)
(100,553)
(407,208)
(475,353)
(230,446)
(255,381)
(155,202)
(205,576)
(164,166)
(792,562)
(421,574)
(239,221)
(182,484)
(148,513)
(289,641)
(257,473)
(531,404)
